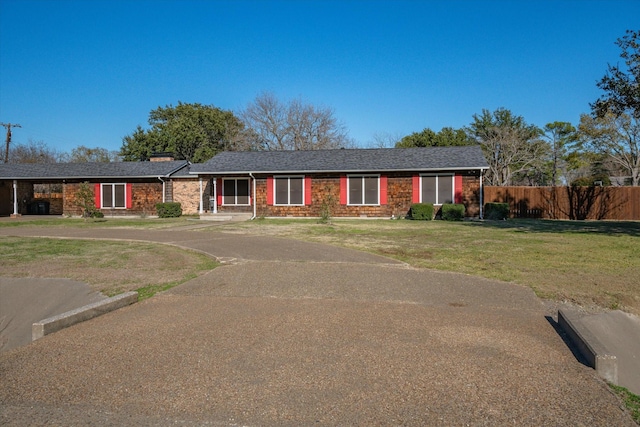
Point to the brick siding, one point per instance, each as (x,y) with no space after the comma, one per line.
(326,188)
(144,197)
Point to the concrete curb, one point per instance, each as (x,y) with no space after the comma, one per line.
(595,353)
(69,318)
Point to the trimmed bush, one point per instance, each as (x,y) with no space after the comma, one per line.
(496,211)
(590,181)
(169,210)
(421,211)
(453,212)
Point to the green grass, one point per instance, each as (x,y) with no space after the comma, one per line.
(150,290)
(581,261)
(631,401)
(144,223)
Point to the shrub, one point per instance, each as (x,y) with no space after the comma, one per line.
(421,211)
(496,211)
(169,210)
(326,209)
(453,212)
(85,200)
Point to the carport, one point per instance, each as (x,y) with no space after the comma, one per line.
(19,197)
(120,188)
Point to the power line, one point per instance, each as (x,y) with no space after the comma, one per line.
(9,126)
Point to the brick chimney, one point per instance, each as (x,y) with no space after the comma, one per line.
(164,156)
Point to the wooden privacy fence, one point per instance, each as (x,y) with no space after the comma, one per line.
(613,203)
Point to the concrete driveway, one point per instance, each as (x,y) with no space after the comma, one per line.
(294,333)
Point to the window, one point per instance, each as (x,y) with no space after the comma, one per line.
(288,190)
(235,191)
(436,189)
(113,196)
(364,190)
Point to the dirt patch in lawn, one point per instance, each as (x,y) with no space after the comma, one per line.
(108,267)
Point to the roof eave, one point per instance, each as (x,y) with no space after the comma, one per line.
(33,178)
(245,172)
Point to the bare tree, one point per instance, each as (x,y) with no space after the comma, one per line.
(82,154)
(294,126)
(33,152)
(510,145)
(618,136)
(385,140)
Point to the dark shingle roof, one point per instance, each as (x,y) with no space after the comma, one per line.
(352,160)
(91,170)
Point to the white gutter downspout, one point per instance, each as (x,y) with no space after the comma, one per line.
(164,190)
(254,195)
(201,211)
(481,196)
(15,197)
(215,195)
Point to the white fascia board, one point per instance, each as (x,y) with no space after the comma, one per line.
(296,171)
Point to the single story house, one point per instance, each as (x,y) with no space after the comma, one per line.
(345,182)
(348,182)
(120,188)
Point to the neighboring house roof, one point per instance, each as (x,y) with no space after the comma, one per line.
(345,160)
(47,171)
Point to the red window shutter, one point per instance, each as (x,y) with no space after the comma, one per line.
(416,189)
(129,202)
(383,190)
(219,191)
(343,190)
(458,188)
(307,190)
(97,195)
(269,190)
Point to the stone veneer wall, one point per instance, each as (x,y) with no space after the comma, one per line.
(326,187)
(187,192)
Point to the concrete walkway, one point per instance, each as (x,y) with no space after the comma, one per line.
(294,333)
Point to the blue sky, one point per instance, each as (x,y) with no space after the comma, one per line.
(78,72)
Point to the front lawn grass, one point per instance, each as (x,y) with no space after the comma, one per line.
(585,262)
(631,401)
(107,222)
(107,266)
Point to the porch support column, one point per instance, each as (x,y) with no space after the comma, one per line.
(214,197)
(201,199)
(15,198)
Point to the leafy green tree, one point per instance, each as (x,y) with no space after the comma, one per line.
(447,136)
(561,137)
(193,132)
(511,146)
(613,128)
(622,87)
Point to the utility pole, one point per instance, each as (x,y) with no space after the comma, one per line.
(8,126)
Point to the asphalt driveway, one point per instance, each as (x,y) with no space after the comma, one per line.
(294,333)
